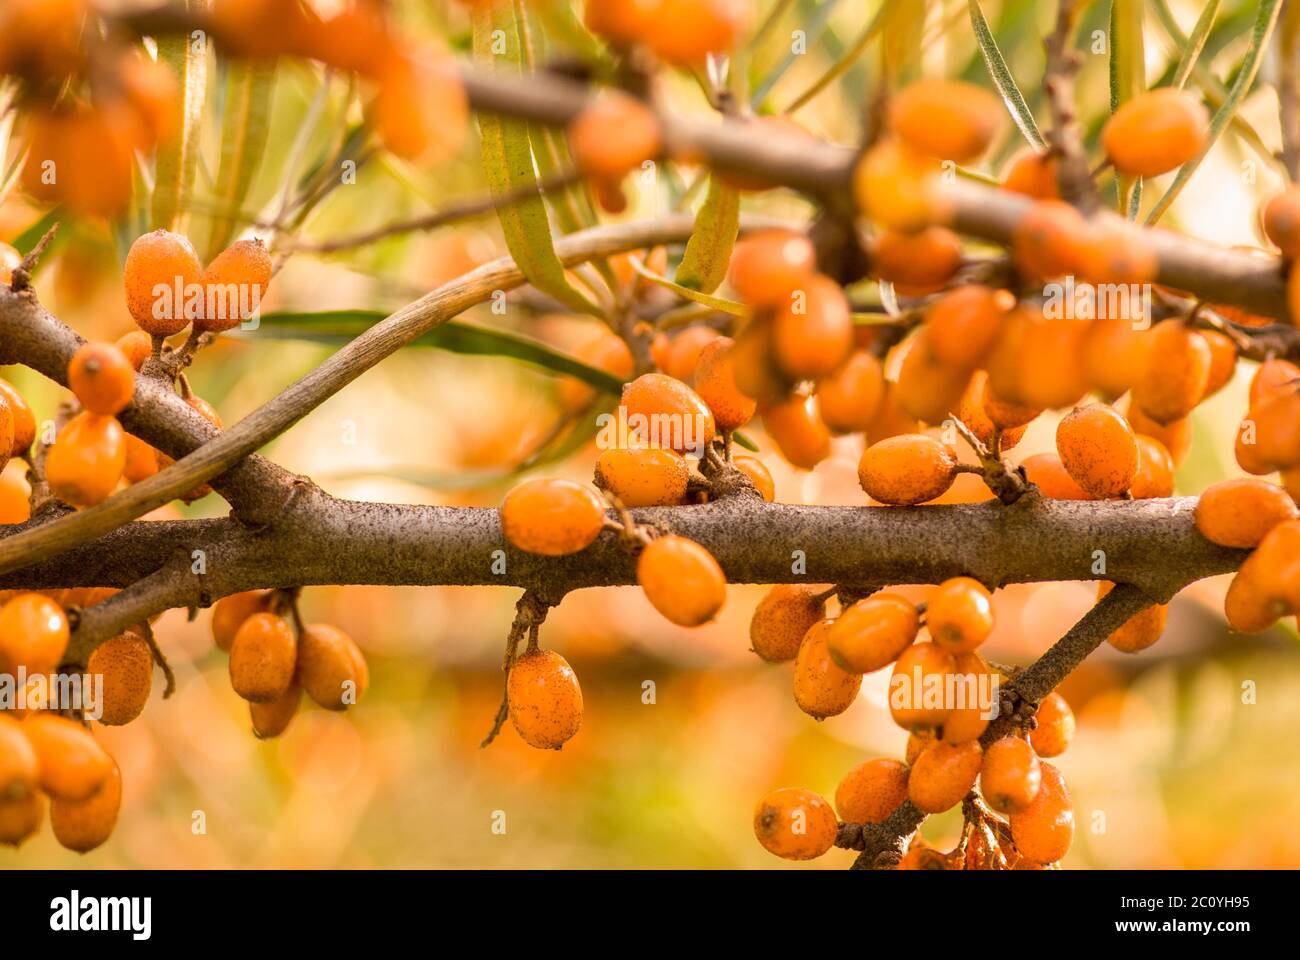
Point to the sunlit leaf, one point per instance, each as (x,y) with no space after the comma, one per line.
(708,251)
(1001,76)
(176,160)
(245,124)
(720,304)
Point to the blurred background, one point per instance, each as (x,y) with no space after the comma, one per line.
(1185,756)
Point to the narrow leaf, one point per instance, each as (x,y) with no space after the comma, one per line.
(245,125)
(1194,44)
(1127,75)
(844,63)
(176,161)
(686,293)
(1001,76)
(708,251)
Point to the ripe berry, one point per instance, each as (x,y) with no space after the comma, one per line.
(1176,373)
(18,765)
(1155,132)
(812,333)
(1115,251)
(551,517)
(667,413)
(331,668)
(851,396)
(141,460)
(1011,775)
(1240,513)
(15,494)
(946,119)
(795,824)
(919,856)
(871,791)
(873,632)
(1270,377)
(1047,241)
(898,187)
(234,285)
(419,110)
(928,388)
(1281,220)
(272,718)
(33,634)
(821,688)
(87,460)
(126,664)
(782,617)
(943,774)
(715,382)
(20,819)
(768,265)
(1055,727)
(1175,436)
(906,470)
(229,614)
(1276,419)
(1033,174)
(1141,630)
(102,378)
(964,324)
(157,265)
(623,22)
(1155,473)
(612,135)
(72,764)
(605,352)
(643,476)
(970,715)
(796,427)
(959,614)
(82,825)
(682,355)
(1114,355)
(24,421)
(1044,830)
(1035,362)
(681,580)
(916,688)
(1099,450)
(262,658)
(891,420)
(758,475)
(917,263)
(1223,361)
(544,698)
(684,32)
(971,411)
(916,743)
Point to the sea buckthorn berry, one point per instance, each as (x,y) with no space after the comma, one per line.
(850,397)
(1035,362)
(331,668)
(272,718)
(795,824)
(136,346)
(756,373)
(871,791)
(605,352)
(1005,413)
(715,382)
(72,763)
(1270,377)
(1011,775)
(1251,604)
(946,119)
(87,460)
(126,664)
(15,493)
(614,134)
(141,460)
(20,819)
(1241,512)
(1176,373)
(898,187)
(102,378)
(821,688)
(1047,242)
(544,698)
(83,825)
(623,22)
(796,427)
(916,743)
(229,614)
(1098,449)
(943,774)
(644,476)
(1276,420)
(1281,220)
(782,617)
(683,353)
(1140,630)
(234,285)
(24,421)
(19,769)
(262,658)
(1246,448)
(964,324)
(907,470)
(1223,361)
(891,420)
(1114,250)
(972,413)
(1114,355)
(959,614)
(1155,132)
(1155,473)
(551,517)
(1175,436)
(157,265)
(927,388)
(419,110)
(1277,564)
(1033,174)
(919,856)
(681,580)
(684,32)
(873,632)
(812,333)
(768,264)
(917,263)
(1055,727)
(6,432)
(667,413)
(758,475)
(1044,830)
(33,634)
(974,699)
(917,698)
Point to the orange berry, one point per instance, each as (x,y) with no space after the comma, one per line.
(871,791)
(614,134)
(971,412)
(1281,220)
(917,263)
(922,857)
(917,697)
(1240,513)
(1033,174)
(1055,727)
(756,373)
(137,347)
(795,824)
(1114,355)
(20,819)
(1276,420)
(420,110)
(157,266)
(1047,241)
(1140,630)
(1175,374)
(1155,473)
(605,352)
(643,476)
(907,470)
(1044,830)
(964,324)
(796,427)
(272,718)
(229,614)
(1271,377)
(141,460)
(821,688)
(758,475)
(623,22)
(873,632)
(812,333)
(83,825)
(683,354)
(851,396)
(1223,361)
(681,580)
(1046,472)
(1155,132)
(782,618)
(234,285)
(33,634)
(1011,775)
(1252,603)
(101,377)
(6,432)
(767,265)
(667,413)
(927,388)
(551,517)
(715,382)
(15,494)
(891,420)
(72,763)
(1004,413)
(126,664)
(87,460)
(1115,251)
(959,614)
(943,774)
(946,119)
(19,769)
(898,187)
(1098,449)
(262,658)
(331,668)
(684,32)
(1035,362)
(24,421)
(973,701)
(544,698)
(1175,436)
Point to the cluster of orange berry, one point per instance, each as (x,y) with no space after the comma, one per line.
(17,428)
(679,32)
(272,665)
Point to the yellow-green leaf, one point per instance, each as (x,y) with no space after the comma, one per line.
(721,304)
(708,251)
(245,124)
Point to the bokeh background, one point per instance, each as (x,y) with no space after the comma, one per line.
(1172,765)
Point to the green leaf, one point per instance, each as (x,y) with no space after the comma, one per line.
(509,166)
(177,159)
(686,293)
(1265,21)
(1127,74)
(708,251)
(1001,76)
(1193,44)
(903,25)
(743,440)
(245,125)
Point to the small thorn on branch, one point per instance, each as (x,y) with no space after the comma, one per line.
(22,276)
